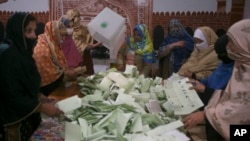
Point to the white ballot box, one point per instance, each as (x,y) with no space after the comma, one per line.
(109,28)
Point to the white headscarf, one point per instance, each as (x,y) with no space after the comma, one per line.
(198,34)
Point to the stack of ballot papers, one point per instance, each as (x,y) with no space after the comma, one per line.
(143,109)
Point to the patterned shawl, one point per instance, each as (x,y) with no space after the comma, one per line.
(202,63)
(48,54)
(232,105)
(81,36)
(180,54)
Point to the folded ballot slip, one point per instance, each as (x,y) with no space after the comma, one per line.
(69,104)
(109,28)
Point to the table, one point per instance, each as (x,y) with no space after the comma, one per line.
(63,92)
(50,129)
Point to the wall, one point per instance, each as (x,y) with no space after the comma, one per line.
(42,16)
(134,11)
(158,5)
(25,5)
(195,19)
(163,11)
(190,5)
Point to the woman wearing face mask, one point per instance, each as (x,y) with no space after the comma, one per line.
(175,49)
(21,102)
(231,106)
(218,80)
(142,45)
(50,59)
(203,59)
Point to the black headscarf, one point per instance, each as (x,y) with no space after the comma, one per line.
(15,31)
(40,28)
(220,48)
(219,32)
(19,77)
(189,31)
(158,36)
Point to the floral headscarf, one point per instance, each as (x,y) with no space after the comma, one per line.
(81,36)
(145,46)
(232,106)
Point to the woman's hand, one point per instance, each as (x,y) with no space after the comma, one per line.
(50,109)
(71,74)
(187,73)
(193,119)
(154,70)
(90,47)
(120,67)
(178,44)
(80,70)
(98,44)
(45,99)
(196,85)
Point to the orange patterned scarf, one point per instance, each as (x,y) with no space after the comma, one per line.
(48,54)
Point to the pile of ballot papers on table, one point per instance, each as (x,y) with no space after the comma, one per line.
(126,106)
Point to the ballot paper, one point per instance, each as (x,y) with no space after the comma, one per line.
(109,28)
(69,104)
(72,132)
(162,129)
(184,100)
(153,106)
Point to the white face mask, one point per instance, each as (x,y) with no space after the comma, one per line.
(201,46)
(70,31)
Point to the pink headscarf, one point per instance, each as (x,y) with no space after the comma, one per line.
(232,105)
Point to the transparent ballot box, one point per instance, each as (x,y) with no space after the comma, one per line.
(109,28)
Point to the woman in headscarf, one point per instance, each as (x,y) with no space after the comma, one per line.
(82,39)
(203,59)
(231,106)
(218,80)
(21,102)
(50,59)
(158,36)
(40,28)
(175,49)
(142,45)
